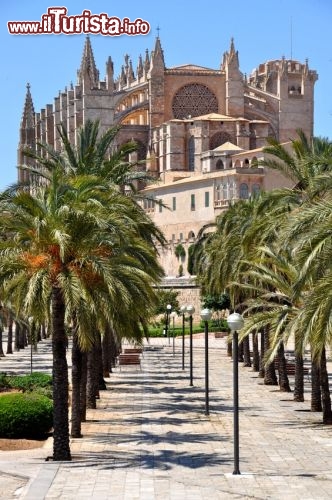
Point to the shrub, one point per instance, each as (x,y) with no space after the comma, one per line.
(25,415)
(217,325)
(4,381)
(180,251)
(31,383)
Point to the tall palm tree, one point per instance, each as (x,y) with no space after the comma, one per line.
(272,277)
(66,246)
(95,155)
(310,232)
(302,161)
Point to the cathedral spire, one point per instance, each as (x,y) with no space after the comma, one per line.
(147,61)
(130,72)
(158,53)
(140,69)
(88,66)
(27,121)
(233,55)
(157,63)
(110,74)
(27,137)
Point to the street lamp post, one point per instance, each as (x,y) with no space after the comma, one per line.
(183,311)
(172,315)
(206,316)
(168,311)
(190,311)
(31,335)
(235,323)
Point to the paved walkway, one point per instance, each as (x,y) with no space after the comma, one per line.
(149,439)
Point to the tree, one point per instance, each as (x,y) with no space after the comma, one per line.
(95,156)
(166,297)
(72,249)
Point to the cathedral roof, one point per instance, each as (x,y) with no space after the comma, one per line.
(191,67)
(228,146)
(214,117)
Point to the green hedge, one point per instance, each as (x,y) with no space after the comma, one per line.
(25,415)
(28,383)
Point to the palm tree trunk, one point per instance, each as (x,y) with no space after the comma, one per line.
(114,347)
(282,370)
(43,331)
(2,354)
(25,336)
(261,358)
(92,379)
(240,352)
(99,359)
(246,352)
(61,449)
(107,367)
(255,352)
(316,394)
(10,335)
(299,380)
(76,375)
(326,397)
(22,337)
(38,333)
(83,386)
(230,345)
(270,377)
(17,336)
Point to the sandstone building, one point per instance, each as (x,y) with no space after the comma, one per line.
(201,130)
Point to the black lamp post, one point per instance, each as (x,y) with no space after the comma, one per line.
(183,312)
(190,311)
(235,323)
(172,315)
(206,316)
(31,335)
(168,311)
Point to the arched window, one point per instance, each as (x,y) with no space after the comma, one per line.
(191,154)
(219,165)
(244,191)
(224,191)
(255,189)
(191,235)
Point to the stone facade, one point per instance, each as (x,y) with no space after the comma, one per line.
(200,130)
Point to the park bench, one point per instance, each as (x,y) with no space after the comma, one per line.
(133,350)
(290,367)
(127,359)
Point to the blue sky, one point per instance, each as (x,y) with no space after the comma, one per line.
(190,32)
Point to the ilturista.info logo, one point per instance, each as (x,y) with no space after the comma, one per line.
(57,22)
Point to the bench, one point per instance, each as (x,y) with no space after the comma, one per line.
(133,350)
(290,368)
(129,359)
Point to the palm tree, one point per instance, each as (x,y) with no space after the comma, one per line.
(96,156)
(310,233)
(66,247)
(272,277)
(302,162)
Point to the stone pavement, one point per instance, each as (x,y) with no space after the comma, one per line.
(150,439)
